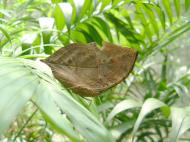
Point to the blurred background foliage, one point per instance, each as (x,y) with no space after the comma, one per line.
(151,105)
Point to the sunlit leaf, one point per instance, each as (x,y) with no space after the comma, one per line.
(148,106)
(59,18)
(123,106)
(67,11)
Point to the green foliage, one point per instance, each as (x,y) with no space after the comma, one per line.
(146,107)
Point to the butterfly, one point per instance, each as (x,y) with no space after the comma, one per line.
(88,70)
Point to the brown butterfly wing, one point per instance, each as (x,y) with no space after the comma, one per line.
(87,70)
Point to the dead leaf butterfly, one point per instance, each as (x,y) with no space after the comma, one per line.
(89,70)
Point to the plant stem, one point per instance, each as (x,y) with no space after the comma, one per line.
(26,123)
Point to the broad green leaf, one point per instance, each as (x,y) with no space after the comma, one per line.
(63,15)
(86,8)
(15,99)
(79,6)
(23,85)
(84,122)
(77,36)
(122,106)
(35,78)
(49,109)
(59,18)
(67,11)
(148,106)
(91,31)
(82,7)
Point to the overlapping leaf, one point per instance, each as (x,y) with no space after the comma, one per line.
(20,80)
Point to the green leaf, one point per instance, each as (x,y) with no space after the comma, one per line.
(144,21)
(123,28)
(105,3)
(82,7)
(167,7)
(103,27)
(91,31)
(5,33)
(116,2)
(187,5)
(77,36)
(86,124)
(148,106)
(180,122)
(26,48)
(177,7)
(63,15)
(67,10)
(149,11)
(165,40)
(49,109)
(23,85)
(56,1)
(79,5)
(122,106)
(27,78)
(27,41)
(59,18)
(121,129)
(161,16)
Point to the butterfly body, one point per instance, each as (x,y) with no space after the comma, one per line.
(88,70)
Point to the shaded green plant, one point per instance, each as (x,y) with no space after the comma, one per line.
(145,107)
